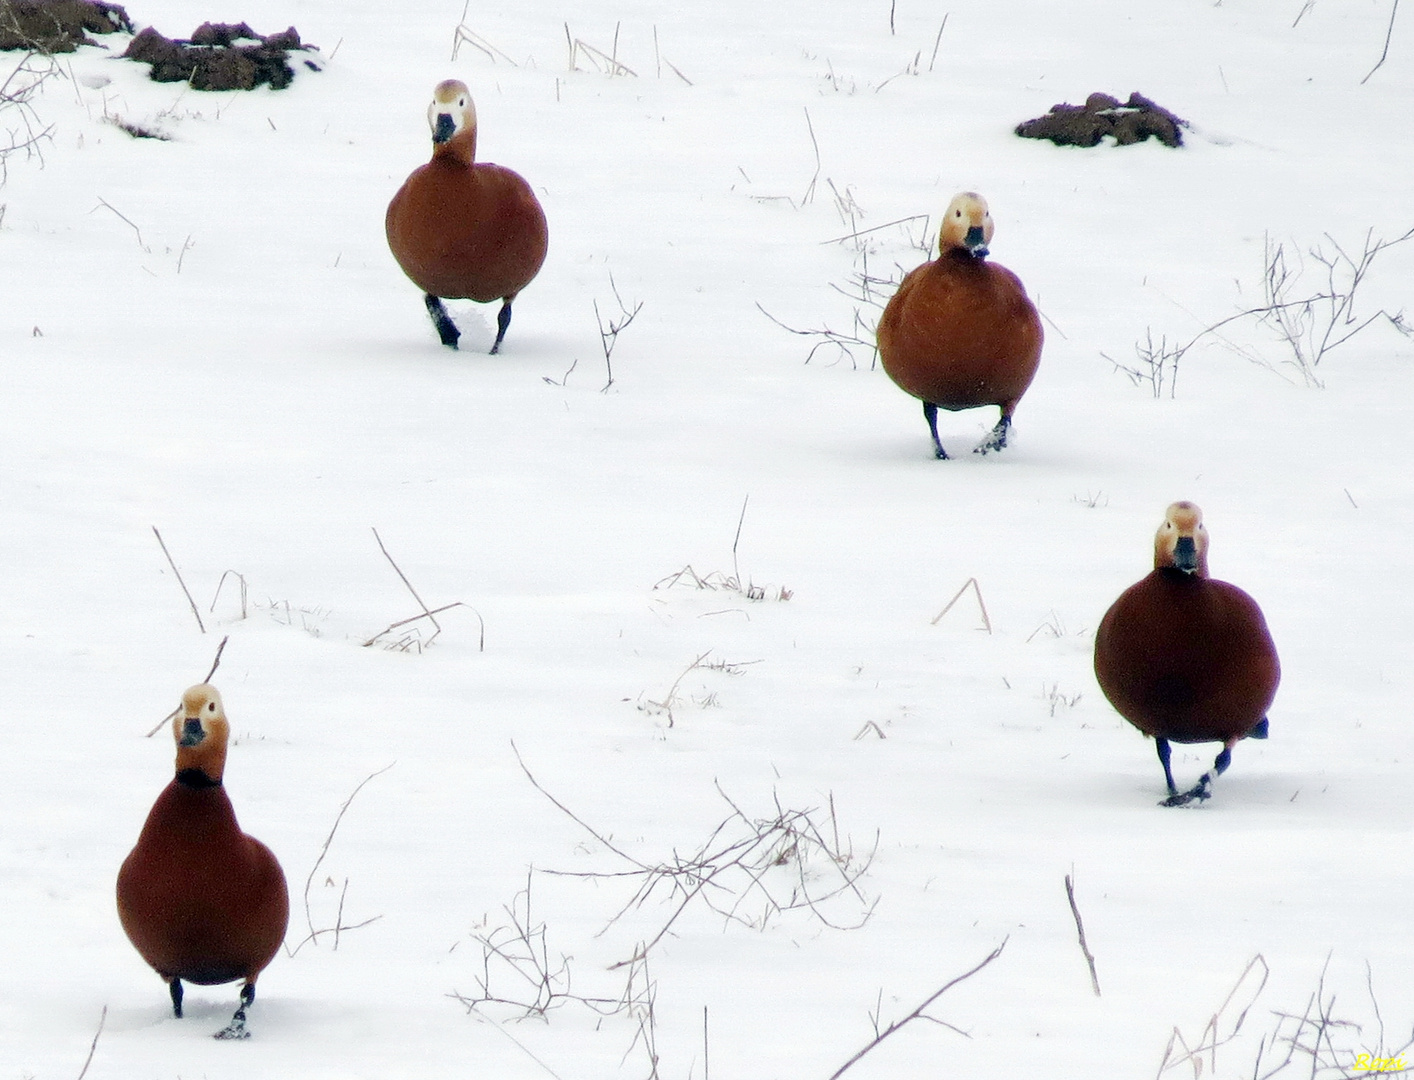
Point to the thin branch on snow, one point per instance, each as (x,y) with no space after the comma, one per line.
(1080,927)
(339,925)
(920,1013)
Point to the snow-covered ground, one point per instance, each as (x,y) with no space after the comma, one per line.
(227,351)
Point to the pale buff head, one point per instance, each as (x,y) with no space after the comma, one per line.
(452,111)
(1182,542)
(966,225)
(201,731)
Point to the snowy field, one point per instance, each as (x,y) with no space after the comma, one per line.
(208,335)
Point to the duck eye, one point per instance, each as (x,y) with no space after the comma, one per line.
(211,706)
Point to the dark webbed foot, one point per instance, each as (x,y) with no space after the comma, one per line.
(446,329)
(174,987)
(1203,789)
(930,413)
(236,1029)
(997,439)
(503,323)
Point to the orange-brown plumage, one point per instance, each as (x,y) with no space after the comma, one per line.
(200,900)
(465,229)
(960,332)
(1185,658)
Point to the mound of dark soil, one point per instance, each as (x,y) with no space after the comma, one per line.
(55,26)
(1101,115)
(220,56)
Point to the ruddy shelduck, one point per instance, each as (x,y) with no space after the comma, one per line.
(960,332)
(1185,658)
(198,898)
(463,229)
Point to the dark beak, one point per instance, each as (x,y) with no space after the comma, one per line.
(1185,554)
(191,732)
(445,128)
(975,244)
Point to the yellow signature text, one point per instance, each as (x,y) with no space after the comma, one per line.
(1370,1063)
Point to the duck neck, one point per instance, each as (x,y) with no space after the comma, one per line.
(460,148)
(196,779)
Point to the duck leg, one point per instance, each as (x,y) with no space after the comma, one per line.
(930,413)
(236,1029)
(1162,746)
(1203,789)
(446,329)
(174,987)
(997,439)
(503,323)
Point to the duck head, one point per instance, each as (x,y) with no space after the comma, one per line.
(1181,542)
(201,730)
(967,226)
(452,116)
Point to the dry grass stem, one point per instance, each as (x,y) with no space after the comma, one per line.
(938,41)
(465,35)
(220,584)
(183,584)
(606,63)
(408,642)
(1389,32)
(919,1013)
(1080,930)
(93,1046)
(982,607)
(339,927)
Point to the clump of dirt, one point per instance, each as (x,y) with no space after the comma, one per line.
(57,26)
(1085,125)
(220,56)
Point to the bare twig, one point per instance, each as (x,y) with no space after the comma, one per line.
(180,582)
(125,218)
(862,337)
(609,333)
(217,595)
(338,926)
(977,589)
(430,614)
(1080,930)
(393,562)
(1389,32)
(809,196)
(93,1046)
(938,41)
(919,1013)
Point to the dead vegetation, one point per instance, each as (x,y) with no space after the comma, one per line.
(1106,117)
(749,871)
(1310,307)
(221,56)
(1316,1043)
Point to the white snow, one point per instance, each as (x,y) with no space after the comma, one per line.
(241,364)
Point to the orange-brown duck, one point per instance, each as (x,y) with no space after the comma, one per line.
(960,332)
(465,229)
(198,898)
(1185,658)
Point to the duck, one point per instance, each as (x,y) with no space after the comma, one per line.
(463,229)
(960,332)
(200,900)
(1186,658)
